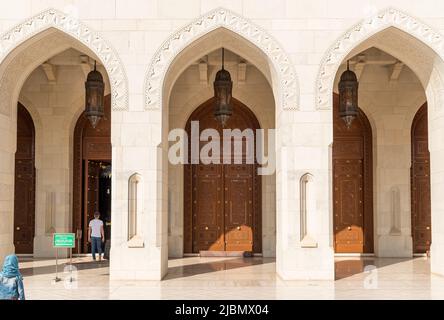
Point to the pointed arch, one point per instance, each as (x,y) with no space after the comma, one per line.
(287,87)
(72,27)
(361,32)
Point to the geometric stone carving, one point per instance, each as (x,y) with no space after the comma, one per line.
(361,32)
(211,21)
(69,25)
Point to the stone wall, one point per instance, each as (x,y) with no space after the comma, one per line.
(297,45)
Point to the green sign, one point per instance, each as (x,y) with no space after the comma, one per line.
(64,240)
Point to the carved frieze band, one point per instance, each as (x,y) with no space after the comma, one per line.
(220,18)
(359,33)
(74,28)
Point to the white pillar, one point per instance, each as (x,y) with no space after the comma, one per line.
(136,137)
(436,147)
(303,147)
(7,156)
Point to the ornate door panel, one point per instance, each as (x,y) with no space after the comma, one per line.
(238,207)
(91,197)
(24,206)
(348,206)
(420,181)
(24,186)
(352,184)
(207,208)
(222,201)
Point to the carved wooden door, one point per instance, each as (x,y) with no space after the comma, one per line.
(222,201)
(24,206)
(91,196)
(348,205)
(24,187)
(238,207)
(208,233)
(352,184)
(420,178)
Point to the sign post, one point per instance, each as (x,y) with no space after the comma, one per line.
(67,241)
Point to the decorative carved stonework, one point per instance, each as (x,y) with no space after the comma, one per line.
(361,32)
(71,26)
(215,19)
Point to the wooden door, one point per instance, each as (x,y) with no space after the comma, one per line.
(207,208)
(348,205)
(420,184)
(89,144)
(91,197)
(222,201)
(24,187)
(352,184)
(238,207)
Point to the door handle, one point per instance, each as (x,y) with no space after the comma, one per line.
(206,228)
(18,228)
(238,228)
(349,228)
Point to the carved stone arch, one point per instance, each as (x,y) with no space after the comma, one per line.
(72,27)
(222,18)
(361,32)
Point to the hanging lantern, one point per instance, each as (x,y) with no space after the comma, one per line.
(348,96)
(94,87)
(223,87)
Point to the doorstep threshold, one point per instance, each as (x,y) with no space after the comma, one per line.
(338,255)
(208,254)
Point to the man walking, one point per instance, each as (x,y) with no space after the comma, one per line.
(96,235)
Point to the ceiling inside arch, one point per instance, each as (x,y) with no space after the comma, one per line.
(48,52)
(402,47)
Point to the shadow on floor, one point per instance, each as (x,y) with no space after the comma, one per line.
(345,268)
(213,266)
(32,271)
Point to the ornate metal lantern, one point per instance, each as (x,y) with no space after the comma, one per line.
(94,87)
(348,96)
(223,87)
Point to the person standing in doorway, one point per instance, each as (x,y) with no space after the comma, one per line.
(11,281)
(96,235)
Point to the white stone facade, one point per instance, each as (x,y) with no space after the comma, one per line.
(295,49)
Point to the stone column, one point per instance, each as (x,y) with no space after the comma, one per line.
(303,147)
(136,140)
(7,152)
(436,148)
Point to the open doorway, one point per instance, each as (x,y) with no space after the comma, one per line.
(92,178)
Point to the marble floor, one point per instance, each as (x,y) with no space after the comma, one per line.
(236,278)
